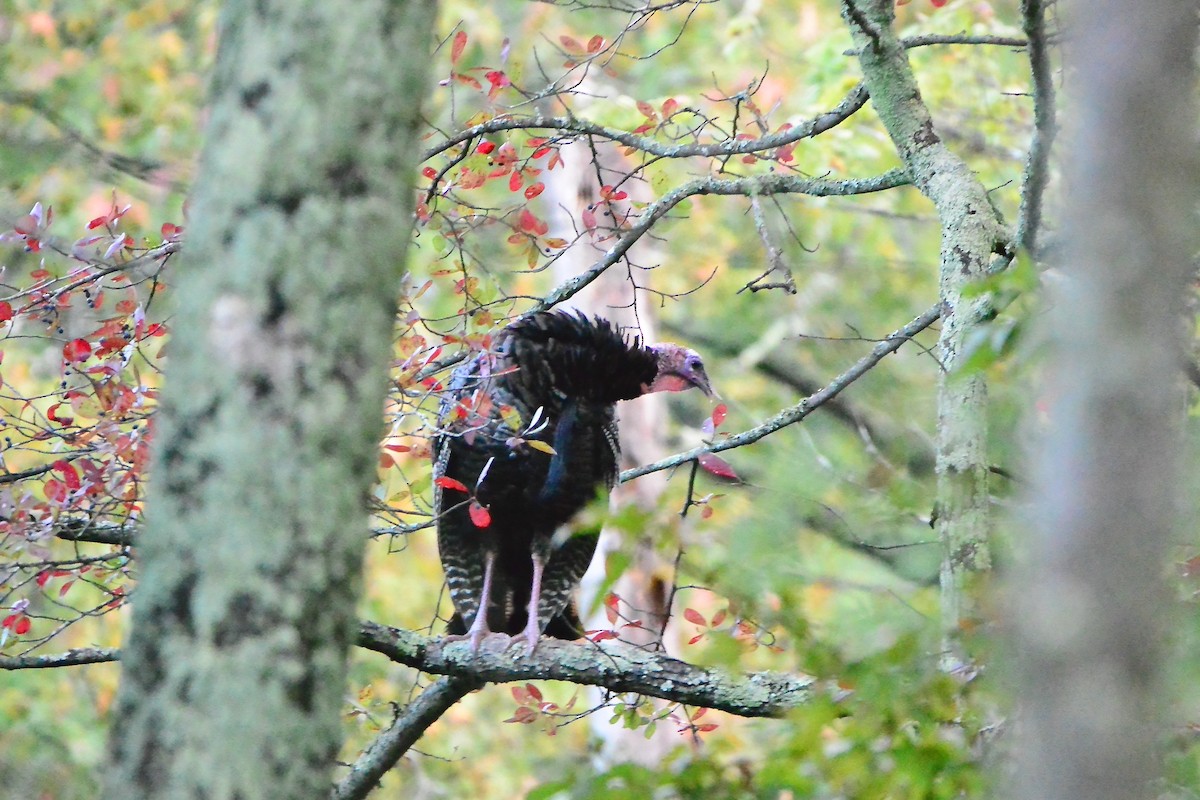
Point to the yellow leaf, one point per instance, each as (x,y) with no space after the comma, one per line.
(511,417)
(536,445)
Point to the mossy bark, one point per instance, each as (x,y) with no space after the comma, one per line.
(234,669)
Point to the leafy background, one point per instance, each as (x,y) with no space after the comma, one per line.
(108,102)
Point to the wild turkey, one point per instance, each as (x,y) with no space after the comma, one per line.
(527,437)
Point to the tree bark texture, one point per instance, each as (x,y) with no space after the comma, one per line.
(615,666)
(973,236)
(1091,606)
(234,669)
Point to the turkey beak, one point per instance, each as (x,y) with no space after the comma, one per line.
(701,382)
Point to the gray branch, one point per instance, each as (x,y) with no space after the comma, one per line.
(762,185)
(611,665)
(71,658)
(408,726)
(854,100)
(792,415)
(1037,168)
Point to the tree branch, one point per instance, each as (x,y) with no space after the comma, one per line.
(855,99)
(71,658)
(763,184)
(142,169)
(790,416)
(927,39)
(403,733)
(611,665)
(1037,167)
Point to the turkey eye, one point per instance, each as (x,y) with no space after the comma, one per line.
(695,363)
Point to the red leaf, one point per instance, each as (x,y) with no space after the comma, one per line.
(695,639)
(6,311)
(646,109)
(76,350)
(446,482)
(520,694)
(467,80)
(9,620)
(600,635)
(695,617)
(570,44)
(515,181)
(479,515)
(717,619)
(429,172)
(43,576)
(65,588)
(524,715)
(610,608)
(595,43)
(530,193)
(717,466)
(669,106)
(534,692)
(55,490)
(718,415)
(460,44)
(485,147)
(497,79)
(52,415)
(706,727)
(70,476)
(22,626)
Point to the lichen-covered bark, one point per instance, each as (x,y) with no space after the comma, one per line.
(615,666)
(234,669)
(1092,609)
(972,237)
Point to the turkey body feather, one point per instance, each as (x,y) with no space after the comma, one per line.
(534,469)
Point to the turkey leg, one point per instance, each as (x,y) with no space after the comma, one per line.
(532,628)
(479,626)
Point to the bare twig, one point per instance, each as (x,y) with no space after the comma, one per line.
(790,416)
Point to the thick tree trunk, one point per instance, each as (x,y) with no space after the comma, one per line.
(1092,606)
(972,236)
(234,670)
